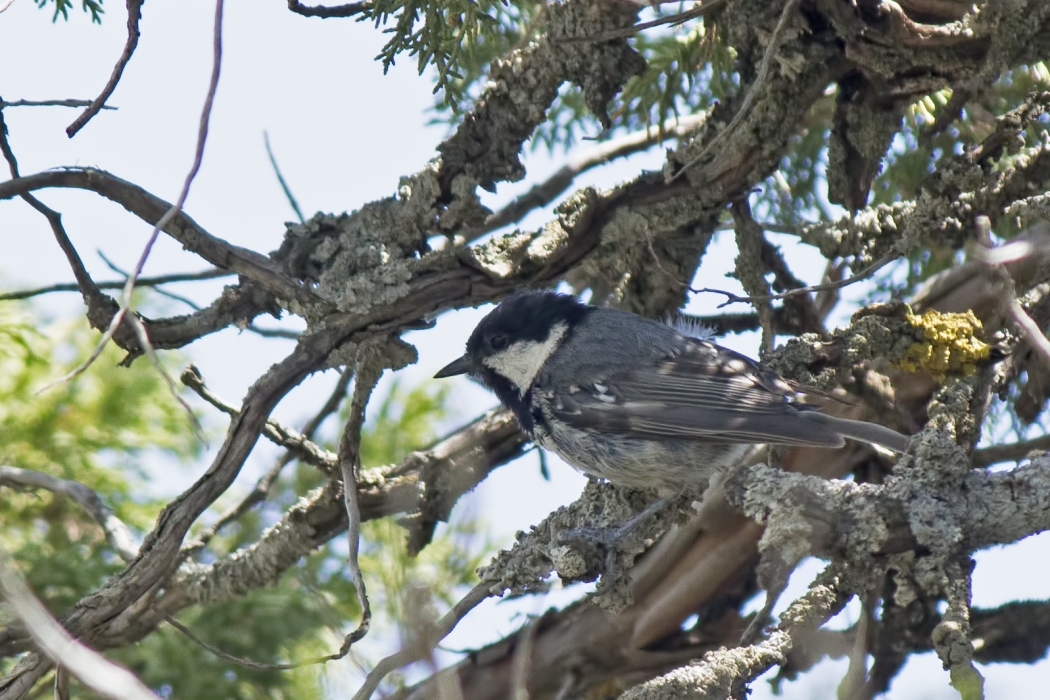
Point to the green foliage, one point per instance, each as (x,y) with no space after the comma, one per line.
(439,32)
(62,7)
(98,429)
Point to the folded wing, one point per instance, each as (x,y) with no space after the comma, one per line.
(704,393)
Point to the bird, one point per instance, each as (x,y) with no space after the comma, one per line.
(636,402)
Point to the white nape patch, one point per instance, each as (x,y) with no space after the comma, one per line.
(521,361)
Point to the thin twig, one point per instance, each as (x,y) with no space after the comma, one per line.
(545,192)
(134,15)
(88,288)
(117,533)
(91,668)
(117,284)
(259,268)
(285,437)
(93,297)
(273,332)
(50,103)
(418,652)
(248,663)
(678,18)
(864,274)
(280,178)
(163,292)
(347,10)
(125,302)
(763,73)
(522,664)
(239,660)
(368,373)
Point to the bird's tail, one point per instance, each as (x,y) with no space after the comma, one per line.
(863,431)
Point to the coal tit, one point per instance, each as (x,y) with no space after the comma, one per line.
(629,399)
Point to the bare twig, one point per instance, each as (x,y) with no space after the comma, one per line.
(523,660)
(368,372)
(91,668)
(347,10)
(763,73)
(750,271)
(285,437)
(117,533)
(92,296)
(134,15)
(545,192)
(114,284)
(259,268)
(240,660)
(839,284)
(163,292)
(280,178)
(50,103)
(406,656)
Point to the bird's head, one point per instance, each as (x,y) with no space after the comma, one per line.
(513,342)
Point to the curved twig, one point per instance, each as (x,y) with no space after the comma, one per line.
(441,630)
(96,105)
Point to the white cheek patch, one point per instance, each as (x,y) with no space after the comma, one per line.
(521,361)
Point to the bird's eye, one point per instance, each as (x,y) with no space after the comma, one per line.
(498,342)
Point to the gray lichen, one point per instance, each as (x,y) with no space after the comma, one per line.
(359,260)
(579,542)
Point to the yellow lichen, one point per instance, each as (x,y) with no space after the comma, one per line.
(950,344)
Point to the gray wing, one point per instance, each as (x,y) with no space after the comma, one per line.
(705,393)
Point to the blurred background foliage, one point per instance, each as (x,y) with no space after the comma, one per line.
(116,430)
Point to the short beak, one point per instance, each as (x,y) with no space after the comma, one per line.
(458,366)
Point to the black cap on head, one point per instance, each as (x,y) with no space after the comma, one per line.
(524,315)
